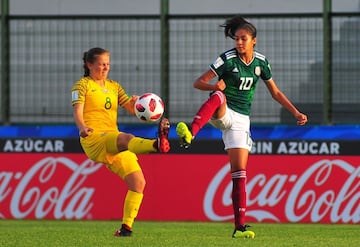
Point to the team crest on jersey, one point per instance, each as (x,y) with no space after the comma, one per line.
(257,70)
(218,62)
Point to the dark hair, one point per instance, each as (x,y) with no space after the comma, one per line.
(90,57)
(237,22)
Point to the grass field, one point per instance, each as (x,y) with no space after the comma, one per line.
(48,233)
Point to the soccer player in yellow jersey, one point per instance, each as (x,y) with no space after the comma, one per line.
(95,100)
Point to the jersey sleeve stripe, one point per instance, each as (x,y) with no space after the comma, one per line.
(230,54)
(260,56)
(213,70)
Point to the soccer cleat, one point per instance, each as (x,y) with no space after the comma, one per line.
(163,132)
(184,134)
(241,232)
(124,231)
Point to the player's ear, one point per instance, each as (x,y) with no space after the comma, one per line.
(89,65)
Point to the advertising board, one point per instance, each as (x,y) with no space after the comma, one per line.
(288,181)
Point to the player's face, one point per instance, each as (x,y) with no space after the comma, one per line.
(99,70)
(244,42)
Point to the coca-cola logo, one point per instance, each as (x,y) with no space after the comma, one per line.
(328,190)
(34,192)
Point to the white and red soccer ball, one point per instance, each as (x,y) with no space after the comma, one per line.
(149,107)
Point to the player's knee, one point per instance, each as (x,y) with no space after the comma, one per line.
(136,181)
(220,95)
(123,140)
(141,183)
(138,185)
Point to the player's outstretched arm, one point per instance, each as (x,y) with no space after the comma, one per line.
(129,107)
(285,102)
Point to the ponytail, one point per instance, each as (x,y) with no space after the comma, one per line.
(237,22)
(86,69)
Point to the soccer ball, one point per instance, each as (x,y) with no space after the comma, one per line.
(149,107)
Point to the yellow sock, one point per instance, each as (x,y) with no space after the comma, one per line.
(131,207)
(140,145)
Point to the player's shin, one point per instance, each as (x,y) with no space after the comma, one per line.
(139,145)
(131,207)
(206,111)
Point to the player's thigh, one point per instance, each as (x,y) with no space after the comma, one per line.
(238,158)
(98,144)
(224,122)
(238,135)
(111,140)
(237,139)
(124,163)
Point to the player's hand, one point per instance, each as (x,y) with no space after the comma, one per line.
(133,100)
(84,132)
(301,118)
(220,85)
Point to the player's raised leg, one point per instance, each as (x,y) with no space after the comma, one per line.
(204,114)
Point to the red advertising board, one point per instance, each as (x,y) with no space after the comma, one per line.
(280,188)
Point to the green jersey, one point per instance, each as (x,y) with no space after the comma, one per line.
(240,78)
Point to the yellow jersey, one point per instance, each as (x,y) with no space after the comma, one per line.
(100,103)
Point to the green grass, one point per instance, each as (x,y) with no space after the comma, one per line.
(48,233)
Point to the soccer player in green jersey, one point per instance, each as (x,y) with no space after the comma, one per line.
(228,107)
(95,100)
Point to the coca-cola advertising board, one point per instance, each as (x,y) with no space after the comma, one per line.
(181,186)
